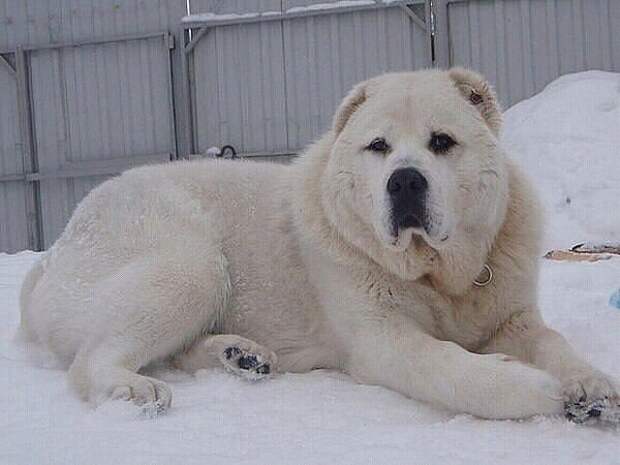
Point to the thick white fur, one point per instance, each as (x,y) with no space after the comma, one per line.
(183,260)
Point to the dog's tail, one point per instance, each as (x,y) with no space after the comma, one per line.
(28,286)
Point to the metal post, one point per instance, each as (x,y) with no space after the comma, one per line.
(184,103)
(169,44)
(441,34)
(29,158)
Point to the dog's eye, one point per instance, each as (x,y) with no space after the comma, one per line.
(440,142)
(379,145)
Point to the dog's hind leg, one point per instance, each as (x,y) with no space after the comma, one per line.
(156,305)
(236,354)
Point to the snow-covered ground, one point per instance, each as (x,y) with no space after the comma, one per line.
(568,139)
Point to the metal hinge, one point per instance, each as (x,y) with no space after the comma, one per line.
(6,61)
(170,41)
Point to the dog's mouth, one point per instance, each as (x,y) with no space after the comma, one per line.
(402,232)
(410,220)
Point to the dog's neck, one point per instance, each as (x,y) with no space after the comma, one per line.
(517,242)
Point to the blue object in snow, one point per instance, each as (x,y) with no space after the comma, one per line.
(614,300)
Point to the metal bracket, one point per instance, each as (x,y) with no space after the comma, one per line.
(202,31)
(8,65)
(412,16)
(170,41)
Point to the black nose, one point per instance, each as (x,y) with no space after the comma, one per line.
(406,181)
(407,188)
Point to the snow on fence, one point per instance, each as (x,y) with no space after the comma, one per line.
(88,89)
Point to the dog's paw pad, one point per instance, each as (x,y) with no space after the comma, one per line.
(249,365)
(248,362)
(231,352)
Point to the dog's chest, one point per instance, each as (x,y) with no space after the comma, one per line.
(467,321)
(471,320)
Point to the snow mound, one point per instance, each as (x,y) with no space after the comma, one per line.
(567,138)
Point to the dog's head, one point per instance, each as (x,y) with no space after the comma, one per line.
(415,158)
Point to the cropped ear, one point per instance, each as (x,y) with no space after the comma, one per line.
(349,105)
(479,93)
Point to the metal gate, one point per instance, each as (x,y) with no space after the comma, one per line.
(86,91)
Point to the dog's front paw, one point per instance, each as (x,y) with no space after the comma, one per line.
(151,395)
(589,386)
(588,395)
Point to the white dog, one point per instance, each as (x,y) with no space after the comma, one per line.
(402,248)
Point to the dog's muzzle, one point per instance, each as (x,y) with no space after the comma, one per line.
(407,189)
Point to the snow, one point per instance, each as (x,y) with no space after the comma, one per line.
(325,418)
(214,151)
(211,17)
(330,6)
(569,138)
(198,17)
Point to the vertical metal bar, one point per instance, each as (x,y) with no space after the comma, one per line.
(168,49)
(178,93)
(185,129)
(442,33)
(191,94)
(430,31)
(29,158)
(191,105)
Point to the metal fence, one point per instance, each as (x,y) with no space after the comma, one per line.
(90,88)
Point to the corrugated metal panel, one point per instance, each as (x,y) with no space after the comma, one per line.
(13,220)
(37,22)
(326,55)
(522,45)
(96,102)
(239,81)
(273,87)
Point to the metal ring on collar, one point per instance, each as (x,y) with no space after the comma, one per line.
(483,283)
